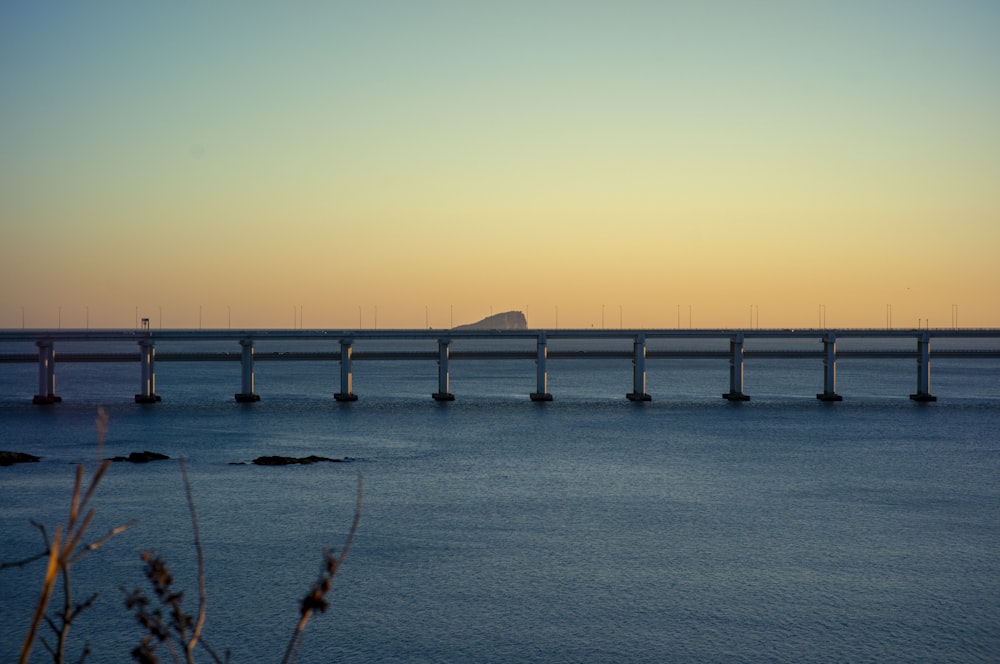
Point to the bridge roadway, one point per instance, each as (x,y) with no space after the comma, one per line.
(45,341)
(295,356)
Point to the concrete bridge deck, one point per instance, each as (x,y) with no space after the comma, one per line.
(640,353)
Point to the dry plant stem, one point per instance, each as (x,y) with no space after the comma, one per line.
(26,561)
(67,615)
(189,647)
(43,601)
(62,554)
(332,565)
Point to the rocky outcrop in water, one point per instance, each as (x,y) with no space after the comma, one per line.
(287,461)
(141,457)
(10,458)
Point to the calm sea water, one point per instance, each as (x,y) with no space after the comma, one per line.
(589,529)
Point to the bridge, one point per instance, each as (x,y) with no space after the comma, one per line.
(344,340)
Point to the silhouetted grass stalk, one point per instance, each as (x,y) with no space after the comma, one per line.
(63,553)
(64,550)
(315,599)
(201,564)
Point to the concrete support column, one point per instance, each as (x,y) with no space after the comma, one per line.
(829,369)
(923,393)
(735,392)
(541,392)
(638,392)
(444,353)
(46,374)
(147,373)
(346,376)
(247,394)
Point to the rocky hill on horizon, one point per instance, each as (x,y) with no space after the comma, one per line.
(508,320)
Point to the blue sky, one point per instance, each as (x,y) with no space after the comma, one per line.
(456,155)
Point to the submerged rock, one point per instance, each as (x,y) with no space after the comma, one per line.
(286,460)
(141,457)
(10,458)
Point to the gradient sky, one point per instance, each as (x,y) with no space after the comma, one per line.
(239,162)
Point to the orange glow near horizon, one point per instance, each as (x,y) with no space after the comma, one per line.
(637,158)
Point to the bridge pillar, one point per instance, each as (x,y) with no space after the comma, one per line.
(638,392)
(346,376)
(147,373)
(444,353)
(46,374)
(735,392)
(923,393)
(829,369)
(247,394)
(541,392)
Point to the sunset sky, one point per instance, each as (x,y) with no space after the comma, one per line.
(240,162)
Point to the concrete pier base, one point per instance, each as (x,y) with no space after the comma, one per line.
(735,393)
(444,378)
(147,366)
(638,396)
(923,393)
(46,374)
(541,393)
(246,394)
(829,393)
(345,396)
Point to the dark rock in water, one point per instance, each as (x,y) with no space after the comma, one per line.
(286,461)
(141,457)
(10,458)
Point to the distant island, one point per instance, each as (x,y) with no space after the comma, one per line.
(508,320)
